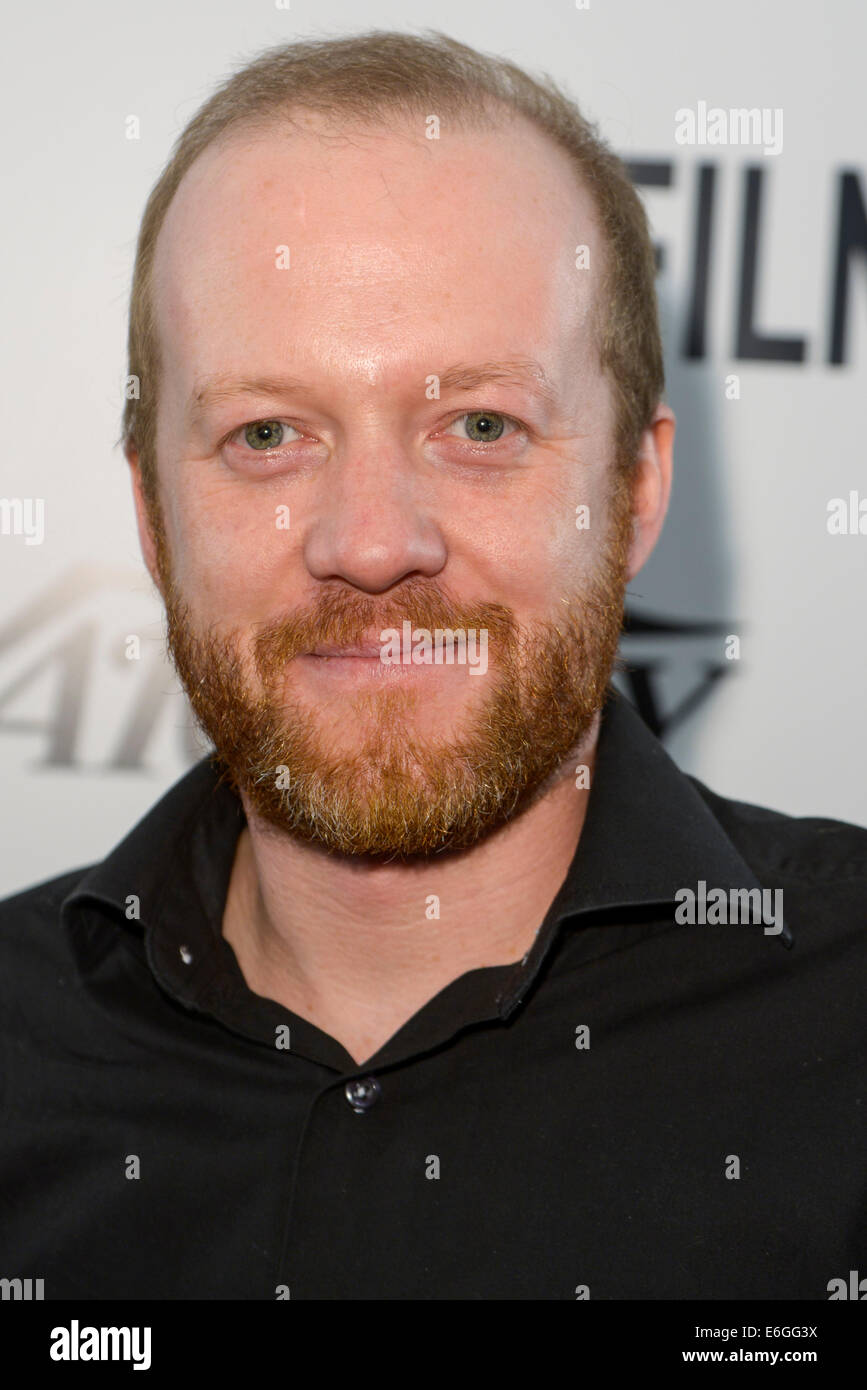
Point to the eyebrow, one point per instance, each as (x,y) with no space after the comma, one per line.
(525,372)
(521,371)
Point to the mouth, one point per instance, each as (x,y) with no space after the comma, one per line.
(362,662)
(370,659)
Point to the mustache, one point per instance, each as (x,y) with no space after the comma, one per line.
(346,619)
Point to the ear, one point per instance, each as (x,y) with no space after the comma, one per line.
(651,486)
(143,521)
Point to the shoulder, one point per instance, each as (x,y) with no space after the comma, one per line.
(818,864)
(33,914)
(812,848)
(42,897)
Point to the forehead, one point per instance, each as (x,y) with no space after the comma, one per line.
(352,243)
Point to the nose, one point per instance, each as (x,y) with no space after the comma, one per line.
(372,529)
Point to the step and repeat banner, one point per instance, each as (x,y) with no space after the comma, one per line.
(744,129)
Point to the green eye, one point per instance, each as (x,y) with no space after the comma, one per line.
(484,425)
(264,434)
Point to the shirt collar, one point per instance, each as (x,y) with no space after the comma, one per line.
(647,834)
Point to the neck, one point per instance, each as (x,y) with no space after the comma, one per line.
(357,946)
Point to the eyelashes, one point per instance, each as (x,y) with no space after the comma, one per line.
(267,435)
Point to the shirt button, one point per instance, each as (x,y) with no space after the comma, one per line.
(362,1094)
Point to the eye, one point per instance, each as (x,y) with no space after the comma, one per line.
(262,435)
(485,426)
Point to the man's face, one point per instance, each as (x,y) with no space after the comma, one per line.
(366,462)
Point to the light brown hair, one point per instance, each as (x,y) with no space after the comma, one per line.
(379,75)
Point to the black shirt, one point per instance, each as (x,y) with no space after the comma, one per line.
(638,1110)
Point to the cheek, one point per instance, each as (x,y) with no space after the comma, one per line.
(543,551)
(228,553)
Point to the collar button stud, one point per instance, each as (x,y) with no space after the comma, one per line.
(363,1093)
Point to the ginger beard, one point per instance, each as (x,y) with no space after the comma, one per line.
(398,794)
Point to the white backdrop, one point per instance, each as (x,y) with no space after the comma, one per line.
(89,740)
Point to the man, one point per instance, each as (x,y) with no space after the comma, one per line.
(439,980)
